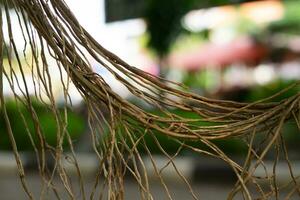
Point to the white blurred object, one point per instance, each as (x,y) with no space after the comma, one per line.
(264,73)
(223,35)
(198,20)
(290,70)
(238,75)
(258,12)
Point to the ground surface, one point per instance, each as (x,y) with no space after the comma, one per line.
(10,189)
(210,180)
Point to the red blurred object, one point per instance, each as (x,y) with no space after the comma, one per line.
(242,50)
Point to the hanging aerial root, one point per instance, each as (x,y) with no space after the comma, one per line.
(49,28)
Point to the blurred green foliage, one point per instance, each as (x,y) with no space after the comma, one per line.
(163,20)
(233,146)
(47,122)
(201,81)
(290,22)
(259,92)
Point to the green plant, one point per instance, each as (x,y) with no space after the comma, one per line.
(19,116)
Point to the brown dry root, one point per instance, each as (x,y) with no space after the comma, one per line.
(50,28)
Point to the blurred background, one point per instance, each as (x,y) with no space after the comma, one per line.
(223,49)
